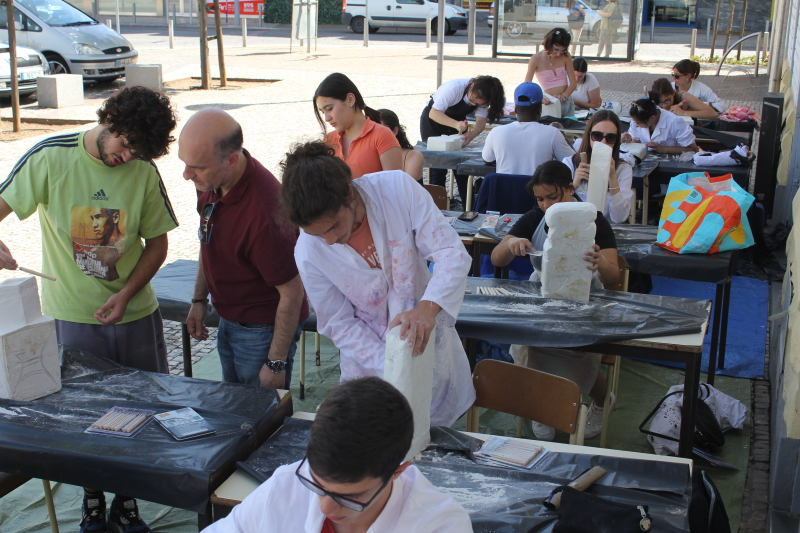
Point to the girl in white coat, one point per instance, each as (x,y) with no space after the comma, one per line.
(363,256)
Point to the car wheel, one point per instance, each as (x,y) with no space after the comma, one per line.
(357,24)
(515,29)
(56,64)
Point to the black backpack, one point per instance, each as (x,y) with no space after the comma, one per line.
(706,510)
(615,20)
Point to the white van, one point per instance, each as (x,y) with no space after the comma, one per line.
(402,14)
(72,41)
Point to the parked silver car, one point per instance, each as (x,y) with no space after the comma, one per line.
(72,41)
(30,65)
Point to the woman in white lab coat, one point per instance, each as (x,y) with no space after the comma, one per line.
(660,130)
(363,256)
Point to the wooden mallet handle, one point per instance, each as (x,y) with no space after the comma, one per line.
(36,273)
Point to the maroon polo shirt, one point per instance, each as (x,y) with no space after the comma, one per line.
(251,250)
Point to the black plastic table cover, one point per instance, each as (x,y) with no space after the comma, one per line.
(531,320)
(669,167)
(451,159)
(45,438)
(657,261)
(476,166)
(503,500)
(174,286)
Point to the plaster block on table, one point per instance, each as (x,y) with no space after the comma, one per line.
(564,274)
(445,143)
(59,90)
(599,171)
(413,376)
(19,300)
(569,214)
(637,149)
(144,76)
(30,367)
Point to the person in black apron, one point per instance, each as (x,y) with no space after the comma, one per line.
(552,184)
(483,96)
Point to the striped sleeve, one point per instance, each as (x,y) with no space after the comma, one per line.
(158,217)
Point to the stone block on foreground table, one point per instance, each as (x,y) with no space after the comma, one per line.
(60,90)
(144,76)
(29,363)
(571,234)
(445,143)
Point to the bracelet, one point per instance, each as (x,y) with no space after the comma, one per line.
(200,301)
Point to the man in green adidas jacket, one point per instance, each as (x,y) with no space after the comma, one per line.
(99,194)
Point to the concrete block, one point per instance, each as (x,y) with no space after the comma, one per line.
(445,143)
(144,76)
(599,170)
(571,234)
(60,90)
(29,363)
(19,300)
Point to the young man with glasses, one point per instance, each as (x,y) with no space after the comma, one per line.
(520,147)
(353,478)
(99,194)
(246,255)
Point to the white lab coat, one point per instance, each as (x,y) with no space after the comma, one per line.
(670,130)
(355,303)
(283,505)
(704,93)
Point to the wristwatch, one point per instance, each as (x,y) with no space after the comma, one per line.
(200,301)
(276,366)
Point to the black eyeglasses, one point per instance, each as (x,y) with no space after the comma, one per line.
(204,231)
(676,76)
(598,136)
(344,501)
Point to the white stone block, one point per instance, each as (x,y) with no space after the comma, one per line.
(145,76)
(19,302)
(29,364)
(60,90)
(599,170)
(571,234)
(637,149)
(413,376)
(445,143)
(553,109)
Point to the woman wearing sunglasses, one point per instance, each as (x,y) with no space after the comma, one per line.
(685,74)
(604,127)
(660,130)
(354,476)
(681,103)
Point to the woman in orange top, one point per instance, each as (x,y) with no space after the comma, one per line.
(358,136)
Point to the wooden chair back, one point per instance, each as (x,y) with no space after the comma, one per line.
(439,195)
(622,281)
(527,393)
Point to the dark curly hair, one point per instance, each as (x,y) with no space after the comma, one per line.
(490,89)
(315,183)
(390,120)
(144,117)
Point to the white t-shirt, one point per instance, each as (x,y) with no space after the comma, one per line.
(704,93)
(590,83)
(282,504)
(618,206)
(520,147)
(451,92)
(671,130)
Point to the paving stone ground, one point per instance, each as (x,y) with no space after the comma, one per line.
(389,75)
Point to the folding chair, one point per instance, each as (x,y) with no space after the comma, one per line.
(528,394)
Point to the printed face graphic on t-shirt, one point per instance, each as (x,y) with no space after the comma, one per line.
(98,240)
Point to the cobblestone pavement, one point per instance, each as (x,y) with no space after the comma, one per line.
(399,76)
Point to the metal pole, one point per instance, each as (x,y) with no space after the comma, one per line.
(366,23)
(260,15)
(202,21)
(653,26)
(12,56)
(428,32)
(766,43)
(108,23)
(237,16)
(694,42)
(118,30)
(171,27)
(497,11)
(191,13)
(708,31)
(244,33)
(175,14)
(308,26)
(134,14)
(94,8)
(758,50)
(226,14)
(223,79)
(439,44)
(472,29)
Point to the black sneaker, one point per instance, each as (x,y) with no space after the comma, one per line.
(94,513)
(124,517)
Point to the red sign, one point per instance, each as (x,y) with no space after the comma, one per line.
(480,4)
(246,7)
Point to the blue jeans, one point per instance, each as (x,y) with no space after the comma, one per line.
(243,350)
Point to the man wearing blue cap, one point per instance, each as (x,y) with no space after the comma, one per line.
(520,147)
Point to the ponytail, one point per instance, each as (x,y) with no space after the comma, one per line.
(390,120)
(643,109)
(687,66)
(371,114)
